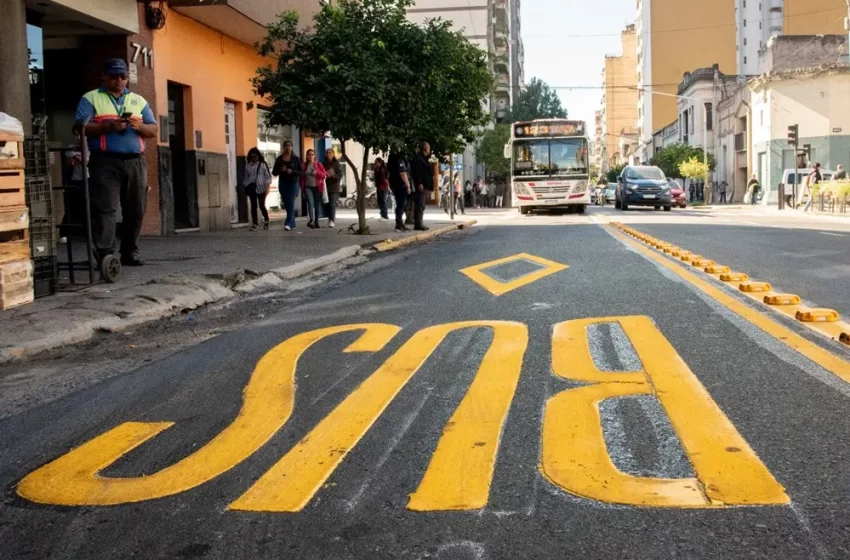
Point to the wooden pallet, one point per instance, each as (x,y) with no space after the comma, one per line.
(14,272)
(12,185)
(14,218)
(16,162)
(19,293)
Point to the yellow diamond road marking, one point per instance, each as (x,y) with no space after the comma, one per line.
(478,275)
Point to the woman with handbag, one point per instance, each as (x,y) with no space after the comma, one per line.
(313,185)
(257,180)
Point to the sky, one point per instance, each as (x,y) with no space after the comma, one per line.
(556,52)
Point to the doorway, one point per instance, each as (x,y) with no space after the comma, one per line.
(183,200)
(230,142)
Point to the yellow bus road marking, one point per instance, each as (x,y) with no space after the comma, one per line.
(463,467)
(575,456)
(478,275)
(74,479)
(822,357)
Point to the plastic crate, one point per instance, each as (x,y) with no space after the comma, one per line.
(45,276)
(38,189)
(36,161)
(42,238)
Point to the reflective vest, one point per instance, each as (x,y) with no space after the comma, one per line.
(107,108)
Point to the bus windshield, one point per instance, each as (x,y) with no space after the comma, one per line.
(550,157)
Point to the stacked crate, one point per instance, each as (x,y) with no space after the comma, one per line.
(39,197)
(16,268)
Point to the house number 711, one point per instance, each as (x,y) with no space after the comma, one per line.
(147,54)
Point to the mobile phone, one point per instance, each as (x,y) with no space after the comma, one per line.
(126,116)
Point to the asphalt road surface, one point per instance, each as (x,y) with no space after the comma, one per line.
(539,388)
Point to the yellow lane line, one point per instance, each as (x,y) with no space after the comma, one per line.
(823,358)
(824,321)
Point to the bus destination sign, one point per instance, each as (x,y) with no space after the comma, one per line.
(549,129)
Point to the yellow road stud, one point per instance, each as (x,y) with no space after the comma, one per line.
(817,315)
(701,263)
(688,257)
(754,287)
(717,269)
(734,277)
(782,299)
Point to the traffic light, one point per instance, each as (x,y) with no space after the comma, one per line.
(794,134)
(807,149)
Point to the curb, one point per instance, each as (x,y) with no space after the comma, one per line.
(171,295)
(391,244)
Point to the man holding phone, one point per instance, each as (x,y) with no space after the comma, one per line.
(117,124)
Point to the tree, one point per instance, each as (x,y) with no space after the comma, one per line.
(670,158)
(537,101)
(368,75)
(693,168)
(614,172)
(491,150)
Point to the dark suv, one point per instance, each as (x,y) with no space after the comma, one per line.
(641,185)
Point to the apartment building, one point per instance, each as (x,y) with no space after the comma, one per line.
(675,37)
(620,98)
(759,20)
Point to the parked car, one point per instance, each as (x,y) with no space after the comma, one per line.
(640,185)
(678,194)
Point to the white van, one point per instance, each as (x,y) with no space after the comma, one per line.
(771,193)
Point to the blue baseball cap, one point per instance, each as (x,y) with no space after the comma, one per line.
(116,67)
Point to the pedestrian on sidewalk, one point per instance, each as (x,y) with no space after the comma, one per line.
(500,194)
(287,166)
(814,179)
(753,189)
(399,177)
(840,174)
(257,180)
(467,193)
(313,183)
(491,193)
(476,193)
(423,178)
(457,190)
(721,188)
(482,194)
(382,184)
(333,184)
(117,124)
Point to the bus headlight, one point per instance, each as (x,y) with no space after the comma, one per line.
(580,187)
(519,188)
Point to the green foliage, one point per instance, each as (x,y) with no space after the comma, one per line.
(693,168)
(491,150)
(614,172)
(670,158)
(367,74)
(537,101)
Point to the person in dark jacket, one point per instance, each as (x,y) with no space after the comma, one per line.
(333,182)
(288,168)
(423,180)
(399,171)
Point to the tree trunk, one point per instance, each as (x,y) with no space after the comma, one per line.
(360,185)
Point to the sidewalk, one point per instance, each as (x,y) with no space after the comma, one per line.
(188,271)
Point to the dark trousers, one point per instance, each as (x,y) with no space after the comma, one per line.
(115,180)
(722,198)
(382,203)
(400,206)
(333,199)
(459,203)
(289,193)
(314,202)
(257,200)
(419,208)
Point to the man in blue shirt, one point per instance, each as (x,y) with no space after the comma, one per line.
(117,123)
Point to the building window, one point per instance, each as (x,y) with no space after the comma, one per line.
(691,114)
(745,23)
(745,60)
(745,3)
(709,116)
(745,41)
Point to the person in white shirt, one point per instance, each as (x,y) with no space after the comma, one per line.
(257,180)
(483,196)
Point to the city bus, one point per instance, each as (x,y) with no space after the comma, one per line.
(549,165)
